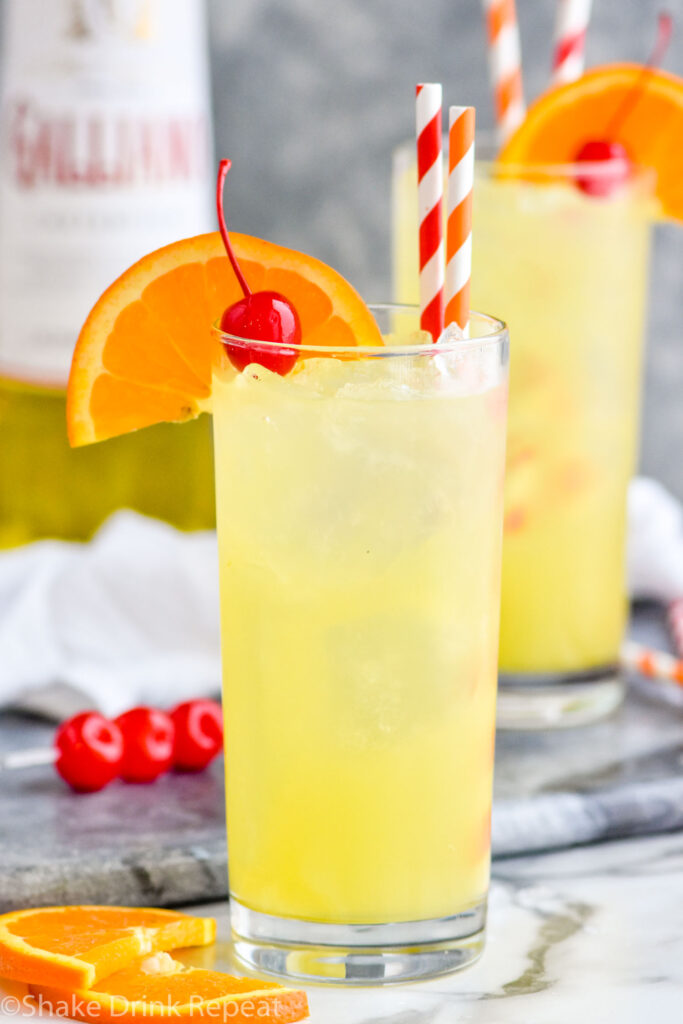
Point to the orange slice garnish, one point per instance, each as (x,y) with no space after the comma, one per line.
(146,351)
(158,988)
(561,120)
(76,946)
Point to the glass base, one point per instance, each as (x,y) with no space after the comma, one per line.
(357,954)
(558,701)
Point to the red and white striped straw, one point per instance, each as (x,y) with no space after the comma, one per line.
(461,123)
(430,204)
(505,65)
(570,40)
(675,621)
(654,664)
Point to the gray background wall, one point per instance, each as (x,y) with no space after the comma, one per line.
(311,96)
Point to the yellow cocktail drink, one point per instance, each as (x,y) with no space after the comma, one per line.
(359,516)
(568,271)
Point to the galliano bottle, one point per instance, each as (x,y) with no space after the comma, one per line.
(105,156)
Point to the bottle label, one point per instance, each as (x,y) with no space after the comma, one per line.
(105,156)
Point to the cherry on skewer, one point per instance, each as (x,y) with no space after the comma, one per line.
(260,316)
(89,751)
(198,734)
(148,738)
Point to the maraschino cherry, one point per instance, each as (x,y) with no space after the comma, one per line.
(616,172)
(198,734)
(148,740)
(89,751)
(260,316)
(608,151)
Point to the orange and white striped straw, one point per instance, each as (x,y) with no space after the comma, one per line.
(569,49)
(654,664)
(461,124)
(505,65)
(430,205)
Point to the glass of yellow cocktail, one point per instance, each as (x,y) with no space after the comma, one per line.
(359,504)
(568,270)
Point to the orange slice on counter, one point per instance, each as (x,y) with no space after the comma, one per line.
(563,119)
(146,351)
(76,946)
(158,988)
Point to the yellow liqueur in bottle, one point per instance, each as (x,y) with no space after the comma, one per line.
(105,156)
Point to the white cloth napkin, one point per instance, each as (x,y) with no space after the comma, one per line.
(133,616)
(654,557)
(130,617)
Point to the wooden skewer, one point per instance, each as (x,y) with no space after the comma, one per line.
(30,758)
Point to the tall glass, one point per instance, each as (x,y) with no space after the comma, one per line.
(568,271)
(359,507)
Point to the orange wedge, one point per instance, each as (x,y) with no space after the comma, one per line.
(557,125)
(146,351)
(158,988)
(76,946)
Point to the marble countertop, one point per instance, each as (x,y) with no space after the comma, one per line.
(591,934)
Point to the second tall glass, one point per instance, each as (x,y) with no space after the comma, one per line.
(568,271)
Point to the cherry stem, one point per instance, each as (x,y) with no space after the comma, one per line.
(664,30)
(223,169)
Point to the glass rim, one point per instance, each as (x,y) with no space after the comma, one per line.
(520,170)
(566,171)
(496,335)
